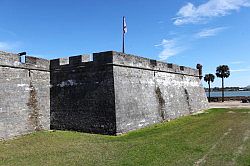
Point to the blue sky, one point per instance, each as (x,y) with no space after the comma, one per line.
(185,32)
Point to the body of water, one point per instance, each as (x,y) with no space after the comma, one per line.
(230,93)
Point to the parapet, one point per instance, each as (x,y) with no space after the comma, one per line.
(14,60)
(72,61)
(132,61)
(120,59)
(99,59)
(8,58)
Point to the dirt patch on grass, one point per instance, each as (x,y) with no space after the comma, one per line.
(229,104)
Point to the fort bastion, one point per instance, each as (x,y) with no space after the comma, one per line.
(111,94)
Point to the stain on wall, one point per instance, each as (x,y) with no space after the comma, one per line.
(187,100)
(161,103)
(34,115)
(25,95)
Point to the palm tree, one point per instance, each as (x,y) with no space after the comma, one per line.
(209,78)
(223,71)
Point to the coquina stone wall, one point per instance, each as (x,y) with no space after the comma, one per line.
(82,96)
(24,95)
(112,94)
(116,93)
(148,91)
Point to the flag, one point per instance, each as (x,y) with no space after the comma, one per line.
(125,30)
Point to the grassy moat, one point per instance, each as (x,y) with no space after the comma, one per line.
(216,137)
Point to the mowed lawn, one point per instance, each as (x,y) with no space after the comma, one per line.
(216,137)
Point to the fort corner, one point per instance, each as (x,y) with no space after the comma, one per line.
(112,94)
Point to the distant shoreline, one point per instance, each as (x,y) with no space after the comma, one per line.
(218,89)
(230,94)
(226,90)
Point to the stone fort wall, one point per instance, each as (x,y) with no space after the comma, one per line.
(112,94)
(116,92)
(24,95)
(82,95)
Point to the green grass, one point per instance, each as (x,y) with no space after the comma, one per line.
(218,137)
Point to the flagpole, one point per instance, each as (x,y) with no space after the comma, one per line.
(123,36)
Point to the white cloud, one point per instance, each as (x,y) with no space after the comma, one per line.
(237,62)
(209,32)
(212,8)
(180,43)
(8,46)
(241,70)
(170,48)
(4,46)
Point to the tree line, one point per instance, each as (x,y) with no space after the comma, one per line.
(236,88)
(222,72)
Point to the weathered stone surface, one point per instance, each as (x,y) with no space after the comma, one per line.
(117,93)
(82,96)
(112,94)
(25,95)
(146,94)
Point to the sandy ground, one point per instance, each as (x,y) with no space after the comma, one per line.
(229,104)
